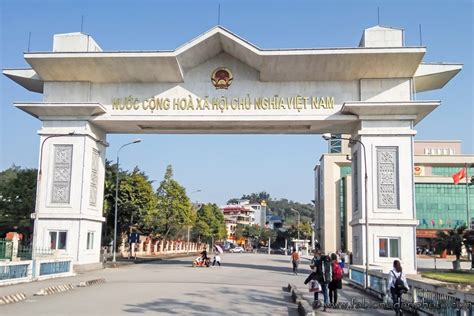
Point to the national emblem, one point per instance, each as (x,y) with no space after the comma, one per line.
(221,78)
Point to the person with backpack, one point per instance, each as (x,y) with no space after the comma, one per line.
(295,260)
(397,286)
(322,272)
(336,282)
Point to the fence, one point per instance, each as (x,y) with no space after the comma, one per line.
(22,271)
(150,247)
(423,297)
(54,267)
(14,271)
(13,250)
(6,249)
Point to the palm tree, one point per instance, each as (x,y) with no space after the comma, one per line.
(468,240)
(452,240)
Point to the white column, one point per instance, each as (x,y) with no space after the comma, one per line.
(70,192)
(390,194)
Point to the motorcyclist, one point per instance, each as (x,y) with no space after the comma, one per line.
(204,256)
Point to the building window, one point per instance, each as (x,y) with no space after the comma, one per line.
(442,205)
(389,248)
(57,239)
(449,171)
(342,211)
(356,246)
(355,182)
(90,240)
(335,144)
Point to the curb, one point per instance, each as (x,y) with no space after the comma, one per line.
(54,289)
(304,307)
(12,298)
(91,282)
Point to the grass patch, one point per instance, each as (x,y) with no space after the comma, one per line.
(455,277)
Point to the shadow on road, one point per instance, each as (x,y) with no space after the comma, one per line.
(222,301)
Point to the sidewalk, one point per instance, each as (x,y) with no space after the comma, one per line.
(351,301)
(30,288)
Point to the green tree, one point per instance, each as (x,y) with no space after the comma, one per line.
(266,233)
(233,201)
(256,197)
(452,240)
(210,222)
(17,200)
(173,210)
(468,240)
(218,224)
(136,200)
(283,208)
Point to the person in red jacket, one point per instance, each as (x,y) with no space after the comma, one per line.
(336,282)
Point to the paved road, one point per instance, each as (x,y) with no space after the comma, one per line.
(246,284)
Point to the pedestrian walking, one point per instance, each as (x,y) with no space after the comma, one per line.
(336,282)
(322,272)
(397,286)
(217,255)
(217,258)
(295,260)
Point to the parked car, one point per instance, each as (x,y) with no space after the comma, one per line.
(278,251)
(237,249)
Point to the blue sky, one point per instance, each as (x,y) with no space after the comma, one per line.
(228,166)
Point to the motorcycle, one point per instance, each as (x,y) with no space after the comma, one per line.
(200,262)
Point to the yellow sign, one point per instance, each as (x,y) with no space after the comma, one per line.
(223,104)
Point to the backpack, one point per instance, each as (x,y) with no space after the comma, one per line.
(337,272)
(399,285)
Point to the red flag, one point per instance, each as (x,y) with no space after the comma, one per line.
(458,176)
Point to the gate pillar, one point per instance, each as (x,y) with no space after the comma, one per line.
(71,170)
(383,204)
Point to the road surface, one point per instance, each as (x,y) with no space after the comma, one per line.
(246,284)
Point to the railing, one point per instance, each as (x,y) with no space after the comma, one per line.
(55,267)
(6,249)
(14,271)
(25,252)
(357,276)
(429,298)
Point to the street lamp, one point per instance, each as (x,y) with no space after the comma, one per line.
(329,136)
(116,195)
(298,227)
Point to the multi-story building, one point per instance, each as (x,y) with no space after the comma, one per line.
(233,215)
(244,213)
(440,205)
(259,215)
